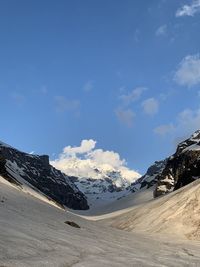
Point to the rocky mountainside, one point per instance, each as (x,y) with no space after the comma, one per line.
(150,178)
(34,171)
(102,184)
(99,185)
(181,168)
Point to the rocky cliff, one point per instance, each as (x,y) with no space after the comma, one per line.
(150,178)
(181,168)
(23,169)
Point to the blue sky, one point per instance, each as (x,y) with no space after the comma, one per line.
(123,73)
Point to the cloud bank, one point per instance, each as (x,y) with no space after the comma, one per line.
(85,147)
(86,161)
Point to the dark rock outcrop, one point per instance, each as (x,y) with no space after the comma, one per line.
(150,178)
(72,224)
(181,168)
(35,171)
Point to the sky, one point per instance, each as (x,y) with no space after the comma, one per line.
(123,75)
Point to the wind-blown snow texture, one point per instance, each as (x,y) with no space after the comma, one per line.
(176,214)
(33,234)
(24,169)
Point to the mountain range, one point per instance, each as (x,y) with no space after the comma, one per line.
(47,220)
(103,184)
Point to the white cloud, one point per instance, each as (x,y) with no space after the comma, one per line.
(106,157)
(187,122)
(126,116)
(88,86)
(85,147)
(84,160)
(150,106)
(189,10)
(63,104)
(188,72)
(164,129)
(162,30)
(132,96)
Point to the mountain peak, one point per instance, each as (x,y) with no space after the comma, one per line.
(181,168)
(192,143)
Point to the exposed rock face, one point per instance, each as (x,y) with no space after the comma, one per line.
(101,183)
(35,171)
(151,176)
(104,189)
(181,168)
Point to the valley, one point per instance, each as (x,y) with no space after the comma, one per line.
(40,227)
(33,233)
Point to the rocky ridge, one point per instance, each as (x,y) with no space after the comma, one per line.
(182,168)
(150,178)
(24,169)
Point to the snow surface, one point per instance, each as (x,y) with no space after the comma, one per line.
(194,147)
(33,233)
(26,187)
(117,207)
(176,214)
(195,135)
(191,144)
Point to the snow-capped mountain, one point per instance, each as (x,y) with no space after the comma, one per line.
(99,182)
(32,172)
(182,168)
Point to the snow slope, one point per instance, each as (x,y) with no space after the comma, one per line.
(33,171)
(119,206)
(176,214)
(33,233)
